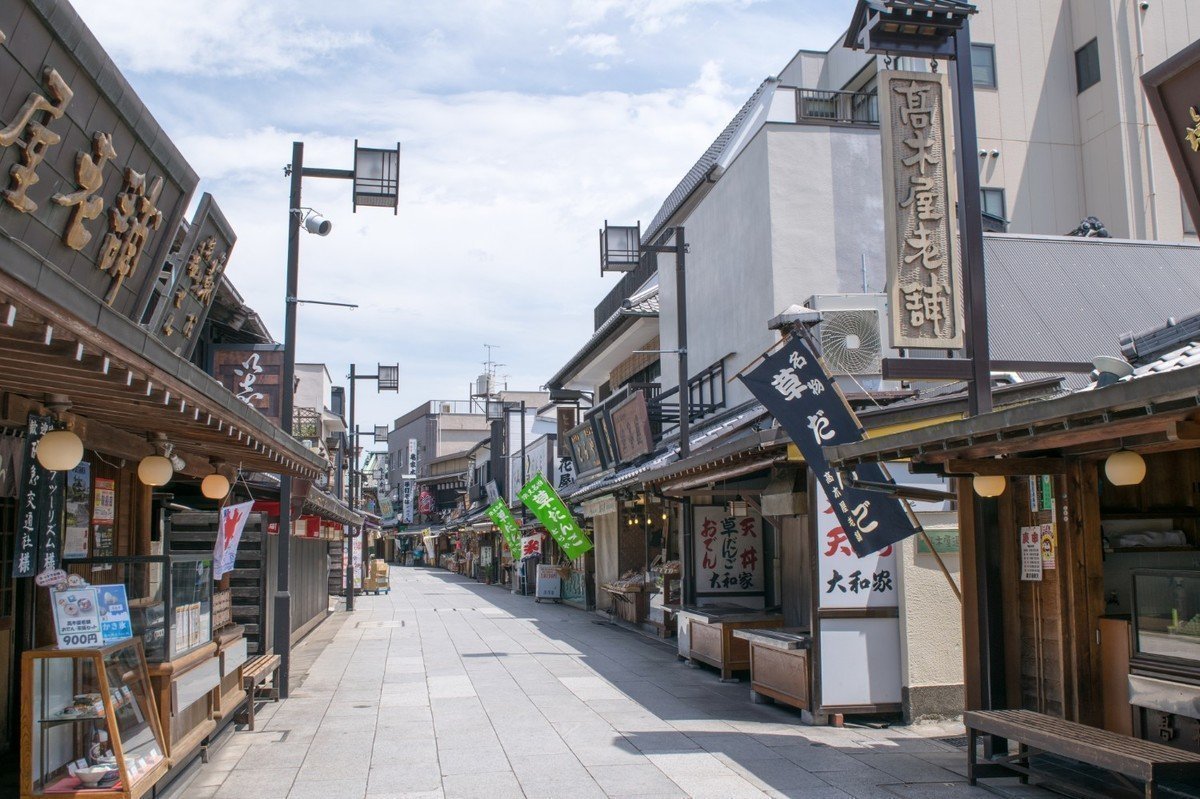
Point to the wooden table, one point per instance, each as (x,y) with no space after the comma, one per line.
(709,635)
(779,664)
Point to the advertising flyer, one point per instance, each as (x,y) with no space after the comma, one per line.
(76,618)
(115,624)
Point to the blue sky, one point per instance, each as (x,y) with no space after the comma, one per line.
(523,126)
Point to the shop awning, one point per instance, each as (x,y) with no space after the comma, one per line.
(330,507)
(1149,409)
(123,384)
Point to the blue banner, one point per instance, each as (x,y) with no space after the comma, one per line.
(793,385)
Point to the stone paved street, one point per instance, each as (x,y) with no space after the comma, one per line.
(448,688)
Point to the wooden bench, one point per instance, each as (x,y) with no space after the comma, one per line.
(1034,733)
(254,673)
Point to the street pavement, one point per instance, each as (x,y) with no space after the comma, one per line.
(446,688)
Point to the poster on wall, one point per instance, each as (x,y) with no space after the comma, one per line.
(1049,547)
(78,518)
(728,552)
(846,580)
(1031,553)
(104,507)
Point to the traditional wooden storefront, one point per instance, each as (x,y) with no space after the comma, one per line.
(101,304)
(1082,584)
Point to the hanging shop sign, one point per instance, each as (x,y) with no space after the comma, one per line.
(631,428)
(83,161)
(541,498)
(728,552)
(923,276)
(196,268)
(1173,90)
(502,517)
(565,417)
(40,513)
(408,483)
(600,506)
(582,440)
(793,385)
(426,503)
(229,536)
(254,373)
(845,579)
(531,545)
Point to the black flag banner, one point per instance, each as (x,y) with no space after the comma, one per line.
(793,385)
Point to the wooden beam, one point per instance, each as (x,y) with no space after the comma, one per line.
(1185,430)
(1007,467)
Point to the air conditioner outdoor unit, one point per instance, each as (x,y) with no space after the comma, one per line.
(853,336)
(446,407)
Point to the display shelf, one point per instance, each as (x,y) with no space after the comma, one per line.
(122,747)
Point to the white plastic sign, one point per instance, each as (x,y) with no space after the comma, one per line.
(77,618)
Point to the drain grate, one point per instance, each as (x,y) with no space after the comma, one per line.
(957,741)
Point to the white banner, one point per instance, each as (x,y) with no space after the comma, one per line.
(229,535)
(846,580)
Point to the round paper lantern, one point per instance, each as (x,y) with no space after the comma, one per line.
(215,486)
(59,451)
(989,485)
(1125,468)
(155,470)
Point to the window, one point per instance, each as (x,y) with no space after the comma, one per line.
(991,202)
(1087,66)
(983,65)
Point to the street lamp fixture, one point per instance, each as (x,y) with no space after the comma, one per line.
(376,179)
(388,377)
(381,432)
(620,247)
(913,28)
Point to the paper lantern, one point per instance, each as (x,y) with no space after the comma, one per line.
(155,470)
(1125,468)
(59,451)
(989,485)
(215,486)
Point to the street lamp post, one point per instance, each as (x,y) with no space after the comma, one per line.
(621,250)
(387,378)
(376,177)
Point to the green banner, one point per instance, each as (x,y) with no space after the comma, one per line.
(502,517)
(541,498)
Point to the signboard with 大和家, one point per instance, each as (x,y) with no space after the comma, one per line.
(91,186)
(923,274)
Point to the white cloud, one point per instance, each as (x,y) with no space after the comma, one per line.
(510,162)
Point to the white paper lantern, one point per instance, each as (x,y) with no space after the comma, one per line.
(1125,468)
(59,451)
(989,485)
(155,470)
(215,486)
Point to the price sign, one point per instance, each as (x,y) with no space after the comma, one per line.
(77,618)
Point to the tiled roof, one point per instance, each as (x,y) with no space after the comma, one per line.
(695,176)
(1181,358)
(1151,344)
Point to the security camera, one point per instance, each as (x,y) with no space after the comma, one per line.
(1144,5)
(315,223)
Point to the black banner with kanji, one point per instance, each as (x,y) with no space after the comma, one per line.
(793,385)
(32,511)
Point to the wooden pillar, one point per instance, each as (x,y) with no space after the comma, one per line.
(972,688)
(1081,561)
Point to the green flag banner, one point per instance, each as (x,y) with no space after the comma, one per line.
(541,498)
(502,517)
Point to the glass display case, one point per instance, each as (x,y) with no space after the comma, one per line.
(1166,615)
(91,721)
(170,598)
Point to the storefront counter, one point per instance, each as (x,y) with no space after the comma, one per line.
(706,635)
(779,664)
(184,690)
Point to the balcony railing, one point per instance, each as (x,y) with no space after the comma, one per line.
(859,108)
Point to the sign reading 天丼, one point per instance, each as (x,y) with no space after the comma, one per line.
(728,552)
(923,276)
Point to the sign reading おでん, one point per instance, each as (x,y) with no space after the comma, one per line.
(923,276)
(541,498)
(794,386)
(728,552)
